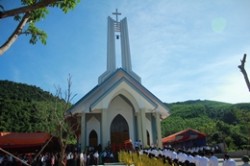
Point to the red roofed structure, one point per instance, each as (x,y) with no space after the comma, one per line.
(12,141)
(185,138)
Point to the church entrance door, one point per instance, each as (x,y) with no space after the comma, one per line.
(93,139)
(119,132)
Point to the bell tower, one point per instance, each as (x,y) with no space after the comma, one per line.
(120,28)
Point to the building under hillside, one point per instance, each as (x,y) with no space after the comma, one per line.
(119,108)
(185,139)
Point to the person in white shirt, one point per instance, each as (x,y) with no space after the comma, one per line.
(197,159)
(1,159)
(155,152)
(183,157)
(96,157)
(228,161)
(136,145)
(203,161)
(190,158)
(245,159)
(213,160)
(173,154)
(83,159)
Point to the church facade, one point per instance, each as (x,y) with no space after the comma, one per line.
(119,108)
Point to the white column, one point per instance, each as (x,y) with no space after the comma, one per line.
(104,126)
(139,125)
(125,50)
(111,62)
(83,129)
(143,127)
(158,128)
(126,58)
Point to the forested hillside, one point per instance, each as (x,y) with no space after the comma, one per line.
(220,121)
(25,108)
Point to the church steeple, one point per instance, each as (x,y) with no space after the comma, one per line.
(116,26)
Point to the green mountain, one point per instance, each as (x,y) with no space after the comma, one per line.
(222,122)
(25,108)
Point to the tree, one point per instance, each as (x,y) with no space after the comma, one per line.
(67,127)
(31,12)
(59,126)
(242,69)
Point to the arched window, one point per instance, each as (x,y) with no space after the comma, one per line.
(148,138)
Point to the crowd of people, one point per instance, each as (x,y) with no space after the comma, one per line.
(21,159)
(201,156)
(167,156)
(91,156)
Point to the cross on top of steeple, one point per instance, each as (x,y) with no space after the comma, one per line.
(116,13)
(118,29)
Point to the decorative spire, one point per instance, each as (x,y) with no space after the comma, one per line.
(116,26)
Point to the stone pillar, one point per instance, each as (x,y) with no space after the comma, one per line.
(158,128)
(143,127)
(139,125)
(104,130)
(126,58)
(111,58)
(83,129)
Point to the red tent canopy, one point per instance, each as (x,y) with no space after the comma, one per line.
(9,140)
(184,135)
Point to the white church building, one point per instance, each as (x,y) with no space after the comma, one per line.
(119,107)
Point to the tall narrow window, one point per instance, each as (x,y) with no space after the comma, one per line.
(148,138)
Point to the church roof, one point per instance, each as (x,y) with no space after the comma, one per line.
(118,83)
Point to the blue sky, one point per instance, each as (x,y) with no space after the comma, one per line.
(182,50)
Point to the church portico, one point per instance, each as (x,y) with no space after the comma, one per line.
(119,108)
(93,124)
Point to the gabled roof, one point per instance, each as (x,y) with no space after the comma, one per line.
(22,140)
(27,142)
(184,135)
(119,81)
